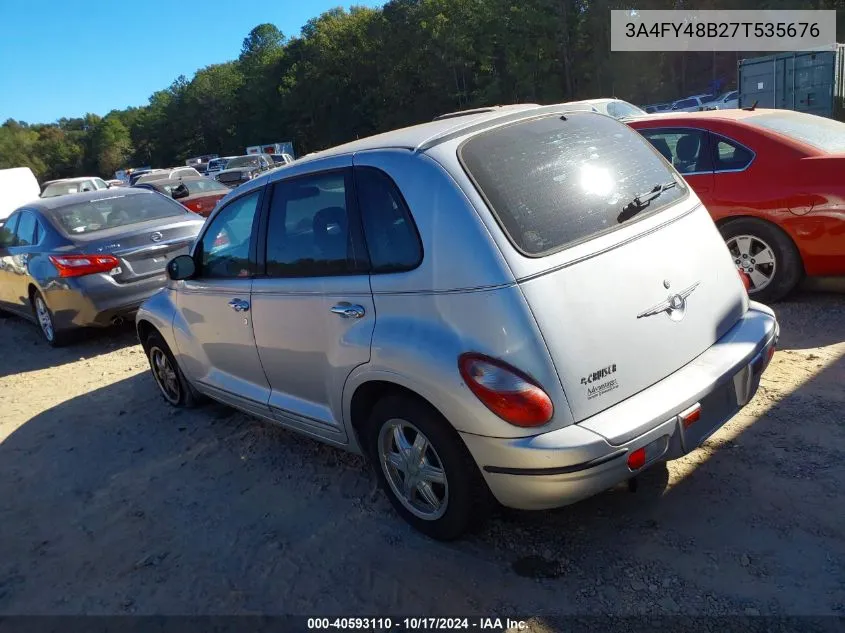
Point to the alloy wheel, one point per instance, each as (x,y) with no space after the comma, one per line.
(413,469)
(165,375)
(45,321)
(755,258)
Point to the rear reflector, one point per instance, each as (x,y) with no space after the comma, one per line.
(636,459)
(505,390)
(691,416)
(79,265)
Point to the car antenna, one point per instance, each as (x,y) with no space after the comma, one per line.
(751,108)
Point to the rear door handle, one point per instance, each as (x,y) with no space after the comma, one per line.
(239,305)
(348,311)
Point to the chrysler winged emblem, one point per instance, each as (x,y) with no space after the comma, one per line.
(675,305)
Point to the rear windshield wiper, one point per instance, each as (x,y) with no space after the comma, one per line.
(641,201)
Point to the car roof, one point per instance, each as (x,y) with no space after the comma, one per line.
(49,204)
(77,179)
(421,137)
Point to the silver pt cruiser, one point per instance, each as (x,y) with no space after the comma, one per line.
(487,303)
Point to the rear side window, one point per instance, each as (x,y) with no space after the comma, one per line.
(729,155)
(26,230)
(311,230)
(392,238)
(552,183)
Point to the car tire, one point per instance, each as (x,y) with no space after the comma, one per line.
(463,494)
(746,237)
(171,382)
(46,322)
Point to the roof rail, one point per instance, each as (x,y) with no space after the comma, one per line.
(482,110)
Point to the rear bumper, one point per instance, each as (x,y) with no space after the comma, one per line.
(569,464)
(97,300)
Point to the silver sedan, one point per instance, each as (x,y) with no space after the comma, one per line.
(89,259)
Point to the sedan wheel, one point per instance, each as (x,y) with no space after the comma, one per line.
(413,469)
(165,375)
(45,319)
(755,258)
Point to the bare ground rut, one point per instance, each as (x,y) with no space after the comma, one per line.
(113,503)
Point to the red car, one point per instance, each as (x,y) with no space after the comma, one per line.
(774,183)
(198,193)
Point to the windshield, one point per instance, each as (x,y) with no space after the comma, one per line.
(113,211)
(824,134)
(243,161)
(553,182)
(620,109)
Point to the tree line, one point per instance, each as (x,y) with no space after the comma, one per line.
(353,73)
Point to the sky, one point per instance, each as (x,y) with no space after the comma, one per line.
(65,58)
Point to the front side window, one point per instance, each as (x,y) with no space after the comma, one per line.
(729,155)
(392,239)
(310,232)
(685,148)
(555,181)
(25,233)
(224,249)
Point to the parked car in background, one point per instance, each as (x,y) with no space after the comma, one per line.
(432,298)
(65,186)
(197,194)
(281,159)
(116,183)
(657,107)
(727,101)
(616,108)
(215,165)
(694,103)
(89,259)
(176,172)
(773,182)
(17,186)
(242,169)
(285,147)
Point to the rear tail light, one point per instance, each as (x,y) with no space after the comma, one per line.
(636,459)
(78,265)
(746,280)
(506,391)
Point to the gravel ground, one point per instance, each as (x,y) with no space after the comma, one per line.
(113,503)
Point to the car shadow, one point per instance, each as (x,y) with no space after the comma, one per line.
(801,326)
(29,352)
(113,502)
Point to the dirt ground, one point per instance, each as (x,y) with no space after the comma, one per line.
(113,503)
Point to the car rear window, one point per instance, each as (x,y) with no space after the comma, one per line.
(824,134)
(114,211)
(552,183)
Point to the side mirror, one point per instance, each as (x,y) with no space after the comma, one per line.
(182,267)
(180,191)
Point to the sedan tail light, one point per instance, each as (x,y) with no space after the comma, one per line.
(78,265)
(506,391)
